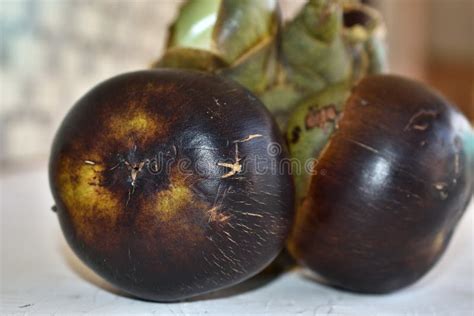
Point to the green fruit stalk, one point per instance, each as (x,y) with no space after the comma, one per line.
(233,38)
(329,42)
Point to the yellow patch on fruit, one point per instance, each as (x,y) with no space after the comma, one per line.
(171,201)
(88,203)
(134,123)
(135,127)
(174,211)
(437,244)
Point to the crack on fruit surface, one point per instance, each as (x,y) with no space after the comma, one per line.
(248,138)
(421,120)
(229,237)
(134,169)
(214,214)
(235,167)
(252,214)
(322,117)
(89,162)
(216,101)
(372,149)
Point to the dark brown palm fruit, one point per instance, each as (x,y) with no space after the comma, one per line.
(388,189)
(157,188)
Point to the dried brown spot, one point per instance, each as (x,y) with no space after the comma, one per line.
(295,134)
(322,117)
(216,216)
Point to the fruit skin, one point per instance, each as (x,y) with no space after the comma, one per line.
(131,214)
(391,185)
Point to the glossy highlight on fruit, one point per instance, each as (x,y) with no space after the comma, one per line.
(164,185)
(390,186)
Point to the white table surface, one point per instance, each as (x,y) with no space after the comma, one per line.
(40,275)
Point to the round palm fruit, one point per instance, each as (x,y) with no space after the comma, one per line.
(393,174)
(165,184)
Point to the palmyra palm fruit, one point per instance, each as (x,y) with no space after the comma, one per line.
(164,184)
(392,173)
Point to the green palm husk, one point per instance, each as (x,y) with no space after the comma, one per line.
(328,42)
(234,38)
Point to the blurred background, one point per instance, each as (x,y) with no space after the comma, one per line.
(53,51)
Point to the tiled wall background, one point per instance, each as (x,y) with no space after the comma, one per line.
(53,51)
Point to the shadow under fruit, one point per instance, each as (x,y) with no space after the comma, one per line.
(164,185)
(393,181)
